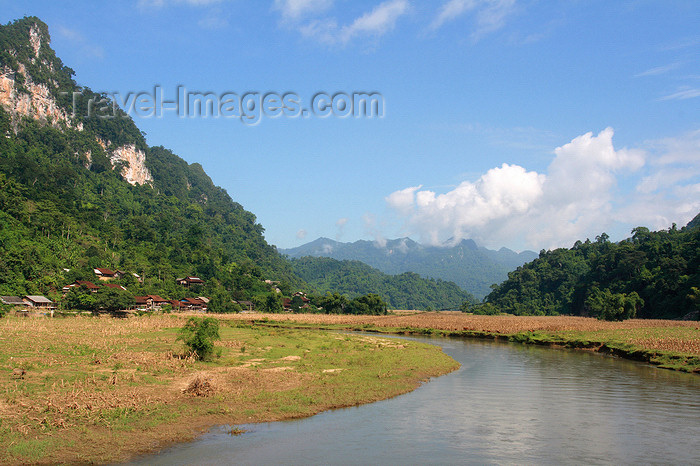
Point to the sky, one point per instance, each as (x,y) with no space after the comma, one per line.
(516,123)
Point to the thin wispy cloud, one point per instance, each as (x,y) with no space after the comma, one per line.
(452,10)
(294,10)
(659,70)
(377,22)
(683,94)
(490,15)
(307,17)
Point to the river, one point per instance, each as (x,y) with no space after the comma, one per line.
(507,404)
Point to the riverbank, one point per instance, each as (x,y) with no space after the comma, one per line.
(669,344)
(100,390)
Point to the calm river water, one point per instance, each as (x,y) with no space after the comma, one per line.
(508,404)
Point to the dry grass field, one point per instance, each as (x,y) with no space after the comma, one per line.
(96,390)
(668,335)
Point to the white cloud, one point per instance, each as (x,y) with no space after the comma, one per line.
(658,70)
(452,10)
(381,20)
(576,198)
(377,22)
(301,234)
(294,10)
(340,224)
(683,94)
(372,229)
(490,15)
(671,192)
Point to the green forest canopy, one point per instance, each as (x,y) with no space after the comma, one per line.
(662,268)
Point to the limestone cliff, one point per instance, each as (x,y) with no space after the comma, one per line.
(134,164)
(31,99)
(21,95)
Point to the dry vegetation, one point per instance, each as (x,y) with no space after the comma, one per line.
(667,343)
(643,333)
(98,389)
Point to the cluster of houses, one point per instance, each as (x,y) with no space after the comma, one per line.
(153,302)
(145,303)
(142,303)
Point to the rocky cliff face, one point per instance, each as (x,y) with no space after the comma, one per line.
(37,102)
(21,96)
(134,170)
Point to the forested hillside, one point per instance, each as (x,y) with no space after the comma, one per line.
(404,291)
(471,267)
(651,274)
(79,192)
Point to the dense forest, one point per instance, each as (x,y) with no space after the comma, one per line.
(649,275)
(404,291)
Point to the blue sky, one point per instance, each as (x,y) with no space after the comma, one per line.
(526,124)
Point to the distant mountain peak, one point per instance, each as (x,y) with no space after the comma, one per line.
(471,267)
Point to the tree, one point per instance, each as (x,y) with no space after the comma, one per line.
(606,305)
(221,303)
(199,335)
(332,303)
(273,303)
(80,298)
(113,299)
(370,304)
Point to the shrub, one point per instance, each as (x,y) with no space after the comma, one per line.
(199,335)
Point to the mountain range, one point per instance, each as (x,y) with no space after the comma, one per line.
(471,267)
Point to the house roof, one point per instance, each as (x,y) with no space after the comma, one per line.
(104,271)
(193,279)
(114,285)
(38,299)
(85,283)
(193,301)
(141,299)
(157,298)
(11,300)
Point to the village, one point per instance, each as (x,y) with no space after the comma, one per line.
(38,305)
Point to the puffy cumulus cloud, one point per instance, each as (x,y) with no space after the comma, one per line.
(513,206)
(500,192)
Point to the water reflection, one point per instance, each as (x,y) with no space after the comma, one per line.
(507,404)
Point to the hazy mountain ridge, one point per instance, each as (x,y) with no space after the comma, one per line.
(471,267)
(407,290)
